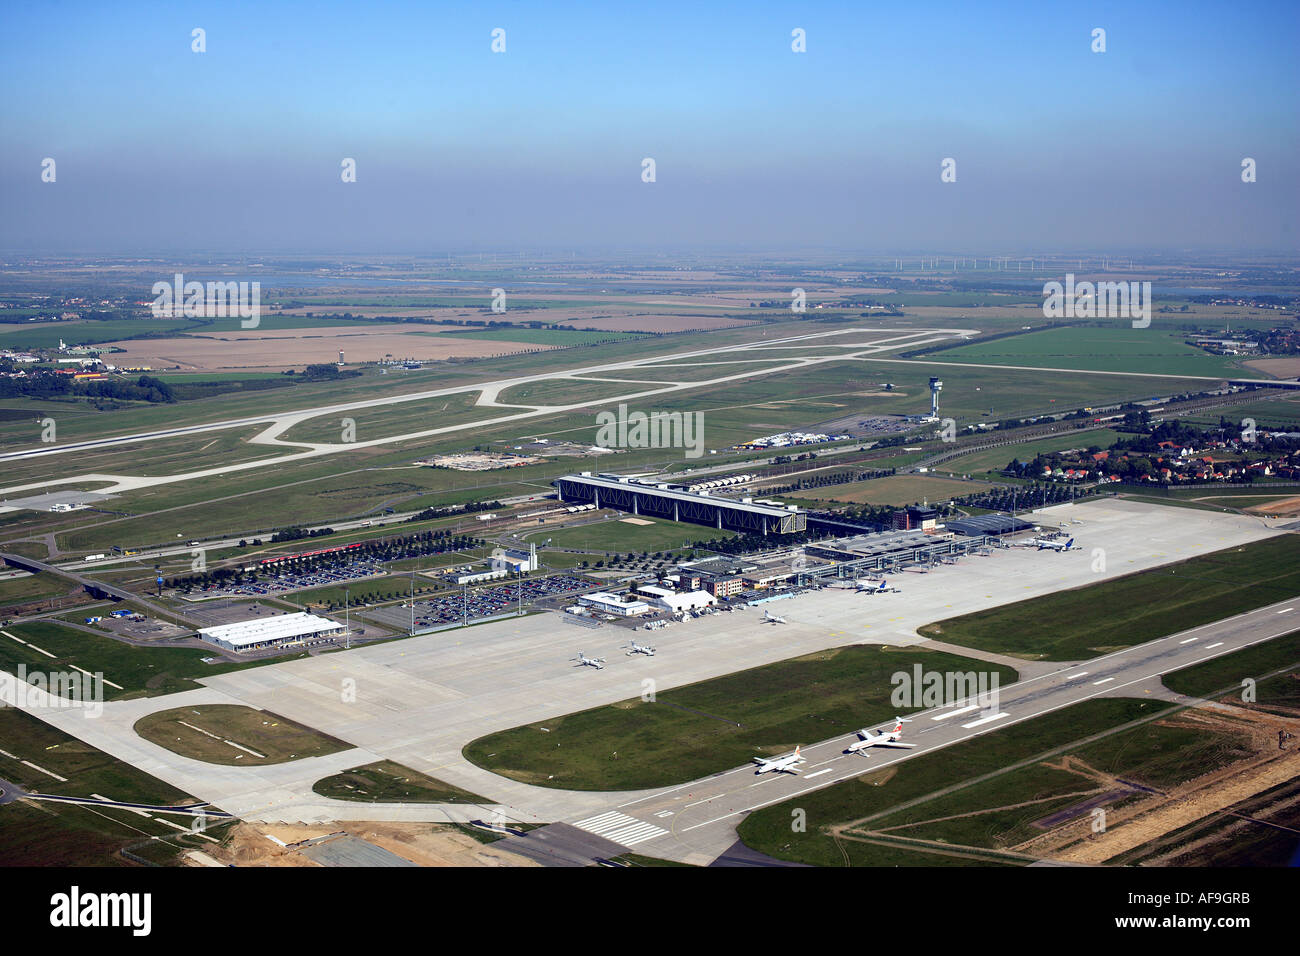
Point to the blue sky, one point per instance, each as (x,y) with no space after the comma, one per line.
(238,148)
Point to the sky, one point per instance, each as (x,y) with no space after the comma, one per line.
(160,149)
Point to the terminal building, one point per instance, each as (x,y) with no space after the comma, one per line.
(275,631)
(662,500)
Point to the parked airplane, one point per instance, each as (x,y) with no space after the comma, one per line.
(1048,544)
(877,587)
(770,618)
(645,649)
(787,764)
(872,738)
(584,661)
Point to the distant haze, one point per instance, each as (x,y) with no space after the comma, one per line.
(159,149)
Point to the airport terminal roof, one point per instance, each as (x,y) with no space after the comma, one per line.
(282,627)
(987,524)
(674,492)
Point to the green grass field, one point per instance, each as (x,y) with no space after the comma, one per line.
(1111,349)
(1137,607)
(705,728)
(140,671)
(34,587)
(618,535)
(896,490)
(389,782)
(872,797)
(234,734)
(1226,673)
(1000,812)
(54,834)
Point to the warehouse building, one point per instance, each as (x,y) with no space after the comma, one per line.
(271,632)
(661,500)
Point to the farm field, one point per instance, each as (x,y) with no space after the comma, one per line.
(275,349)
(555,338)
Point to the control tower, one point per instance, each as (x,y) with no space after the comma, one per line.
(936,387)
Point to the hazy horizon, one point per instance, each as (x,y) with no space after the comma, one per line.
(838,150)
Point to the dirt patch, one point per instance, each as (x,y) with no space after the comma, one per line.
(272,350)
(426,844)
(1285,508)
(1153,817)
(1288,367)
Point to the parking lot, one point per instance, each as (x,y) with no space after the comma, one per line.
(279,583)
(480,603)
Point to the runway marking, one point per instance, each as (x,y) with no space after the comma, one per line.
(101,676)
(1023,717)
(984,720)
(818,773)
(1209,647)
(620,828)
(1189,640)
(1104,680)
(1285,609)
(1076,676)
(48,773)
(954,713)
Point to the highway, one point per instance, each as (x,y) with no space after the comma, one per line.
(692,821)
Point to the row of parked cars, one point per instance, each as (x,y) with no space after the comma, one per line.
(494,600)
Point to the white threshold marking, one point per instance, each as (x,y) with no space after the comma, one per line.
(621,828)
(954,713)
(984,720)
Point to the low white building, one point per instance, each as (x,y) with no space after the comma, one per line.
(474,577)
(677,601)
(613,604)
(271,631)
